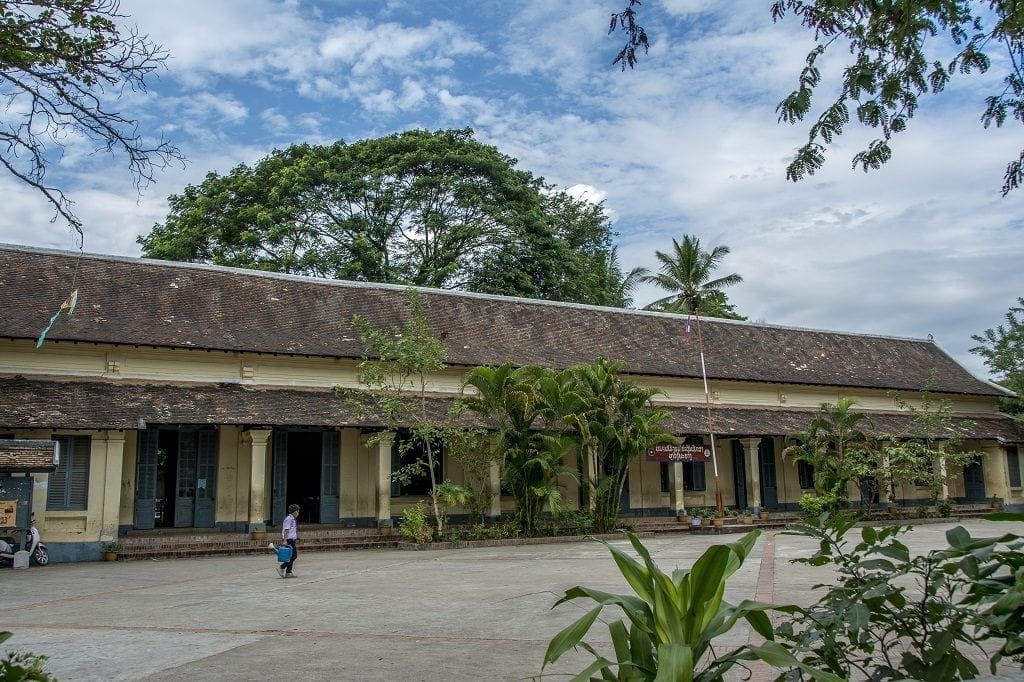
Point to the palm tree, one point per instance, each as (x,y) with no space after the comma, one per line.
(835,444)
(687,273)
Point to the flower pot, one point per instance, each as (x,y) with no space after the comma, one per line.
(110,556)
(683,518)
(259,535)
(748,520)
(719,522)
(764,516)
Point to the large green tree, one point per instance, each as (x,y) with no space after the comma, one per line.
(1002,348)
(900,52)
(436,209)
(687,272)
(57,58)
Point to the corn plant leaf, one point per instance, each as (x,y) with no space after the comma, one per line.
(777,656)
(675,663)
(570,636)
(636,575)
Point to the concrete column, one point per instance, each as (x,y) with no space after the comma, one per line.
(384,480)
(495,483)
(941,466)
(996,475)
(752,464)
(114,464)
(887,495)
(258,479)
(678,501)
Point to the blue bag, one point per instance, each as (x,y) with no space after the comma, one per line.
(284,554)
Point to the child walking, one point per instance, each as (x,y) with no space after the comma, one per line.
(290,536)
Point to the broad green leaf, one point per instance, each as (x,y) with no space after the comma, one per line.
(958,537)
(570,636)
(675,663)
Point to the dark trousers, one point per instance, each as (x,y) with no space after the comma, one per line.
(295,554)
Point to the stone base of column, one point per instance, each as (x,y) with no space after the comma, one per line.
(258,530)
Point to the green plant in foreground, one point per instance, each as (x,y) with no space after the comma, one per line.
(893,616)
(22,666)
(673,620)
(414,524)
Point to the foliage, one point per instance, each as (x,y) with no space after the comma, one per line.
(414,524)
(673,620)
(436,209)
(611,421)
(398,360)
(57,59)
(114,547)
(891,615)
(507,399)
(687,272)
(896,60)
(814,505)
(19,666)
(1002,348)
(473,450)
(933,454)
(706,513)
(834,444)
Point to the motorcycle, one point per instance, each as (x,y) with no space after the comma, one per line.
(38,554)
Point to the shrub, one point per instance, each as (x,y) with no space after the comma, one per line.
(20,665)
(814,506)
(673,620)
(414,524)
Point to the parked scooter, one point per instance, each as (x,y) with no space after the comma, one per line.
(37,551)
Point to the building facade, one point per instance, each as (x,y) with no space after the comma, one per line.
(193,396)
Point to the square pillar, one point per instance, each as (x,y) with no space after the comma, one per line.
(752,465)
(258,481)
(383,470)
(495,484)
(113,466)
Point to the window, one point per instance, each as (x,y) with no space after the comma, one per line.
(68,487)
(1013,465)
(406,451)
(666,482)
(805,472)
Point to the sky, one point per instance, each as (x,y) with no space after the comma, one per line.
(687,143)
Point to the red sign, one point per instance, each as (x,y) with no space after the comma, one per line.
(679,453)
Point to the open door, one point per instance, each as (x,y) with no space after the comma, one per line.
(206,480)
(769,480)
(974,481)
(279,491)
(145,479)
(185,480)
(330,470)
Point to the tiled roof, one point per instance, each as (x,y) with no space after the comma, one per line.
(154,303)
(27,455)
(36,403)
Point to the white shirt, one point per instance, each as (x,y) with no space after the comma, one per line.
(289,528)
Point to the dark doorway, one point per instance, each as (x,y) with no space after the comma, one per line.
(304,467)
(974,481)
(739,474)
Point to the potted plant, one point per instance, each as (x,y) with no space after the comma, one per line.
(707,515)
(763,515)
(748,517)
(111,550)
(995,502)
(731,515)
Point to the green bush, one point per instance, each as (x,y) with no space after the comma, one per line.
(22,666)
(414,524)
(673,620)
(814,506)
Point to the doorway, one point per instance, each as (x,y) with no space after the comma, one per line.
(974,481)
(305,470)
(769,481)
(175,478)
(739,474)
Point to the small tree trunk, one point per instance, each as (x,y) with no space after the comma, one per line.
(438,519)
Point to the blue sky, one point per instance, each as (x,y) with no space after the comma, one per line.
(687,143)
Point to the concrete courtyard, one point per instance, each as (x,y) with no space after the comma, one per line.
(468,614)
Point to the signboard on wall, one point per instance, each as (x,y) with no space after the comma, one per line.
(679,453)
(8,513)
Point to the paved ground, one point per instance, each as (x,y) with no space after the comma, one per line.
(471,614)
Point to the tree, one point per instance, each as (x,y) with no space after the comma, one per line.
(687,272)
(435,209)
(836,446)
(58,58)
(1002,348)
(613,423)
(895,62)
(933,454)
(532,461)
(399,359)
